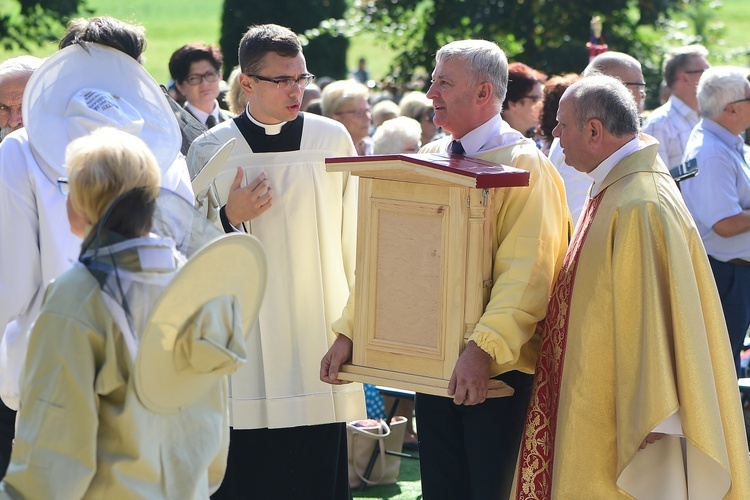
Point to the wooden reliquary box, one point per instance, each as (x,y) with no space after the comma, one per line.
(424,263)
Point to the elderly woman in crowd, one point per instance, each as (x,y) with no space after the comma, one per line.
(346,101)
(416,105)
(397,136)
(384,110)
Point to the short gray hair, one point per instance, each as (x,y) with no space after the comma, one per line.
(19,66)
(718,87)
(678,59)
(394,134)
(486,62)
(608,100)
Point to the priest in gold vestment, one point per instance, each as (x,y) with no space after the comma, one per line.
(635,393)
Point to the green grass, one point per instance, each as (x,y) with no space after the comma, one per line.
(407,488)
(377,53)
(735,15)
(169,25)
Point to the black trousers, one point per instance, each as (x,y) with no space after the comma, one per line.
(307,462)
(733,284)
(470,452)
(7,433)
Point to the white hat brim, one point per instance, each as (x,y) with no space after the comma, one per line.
(64,74)
(233,264)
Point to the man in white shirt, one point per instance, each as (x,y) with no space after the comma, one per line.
(628,70)
(672,123)
(719,198)
(14,74)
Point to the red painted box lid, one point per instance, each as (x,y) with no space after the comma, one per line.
(432,168)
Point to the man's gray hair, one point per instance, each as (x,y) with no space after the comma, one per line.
(609,101)
(718,87)
(19,66)
(485,62)
(678,59)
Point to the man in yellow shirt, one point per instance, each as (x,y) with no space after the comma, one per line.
(469,444)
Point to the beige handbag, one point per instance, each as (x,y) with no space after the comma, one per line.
(365,437)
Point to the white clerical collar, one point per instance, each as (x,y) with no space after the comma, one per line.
(600,172)
(270,129)
(489,135)
(202,116)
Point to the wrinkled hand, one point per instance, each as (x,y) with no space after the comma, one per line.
(471,376)
(339,353)
(247,203)
(651,439)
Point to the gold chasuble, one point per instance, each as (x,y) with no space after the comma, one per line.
(634,338)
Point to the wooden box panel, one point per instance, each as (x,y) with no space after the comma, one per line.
(411,245)
(424,265)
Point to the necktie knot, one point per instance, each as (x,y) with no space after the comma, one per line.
(457,148)
(210,121)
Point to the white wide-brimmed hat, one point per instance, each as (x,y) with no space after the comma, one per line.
(196,333)
(82,88)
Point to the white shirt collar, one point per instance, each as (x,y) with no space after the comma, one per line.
(682,108)
(202,116)
(486,136)
(604,168)
(270,129)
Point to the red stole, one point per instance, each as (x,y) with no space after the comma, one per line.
(538,442)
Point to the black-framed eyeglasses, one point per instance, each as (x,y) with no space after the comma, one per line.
(303,80)
(211,76)
(63,186)
(694,71)
(641,87)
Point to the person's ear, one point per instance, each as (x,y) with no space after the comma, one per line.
(180,87)
(247,84)
(484,92)
(594,130)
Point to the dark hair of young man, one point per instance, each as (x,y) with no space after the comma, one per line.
(260,40)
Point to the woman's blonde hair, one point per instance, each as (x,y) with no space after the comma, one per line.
(335,95)
(106,164)
(235,97)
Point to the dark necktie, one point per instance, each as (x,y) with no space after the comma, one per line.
(457,148)
(210,121)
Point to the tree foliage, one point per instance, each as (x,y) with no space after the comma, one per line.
(549,35)
(326,55)
(36,22)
